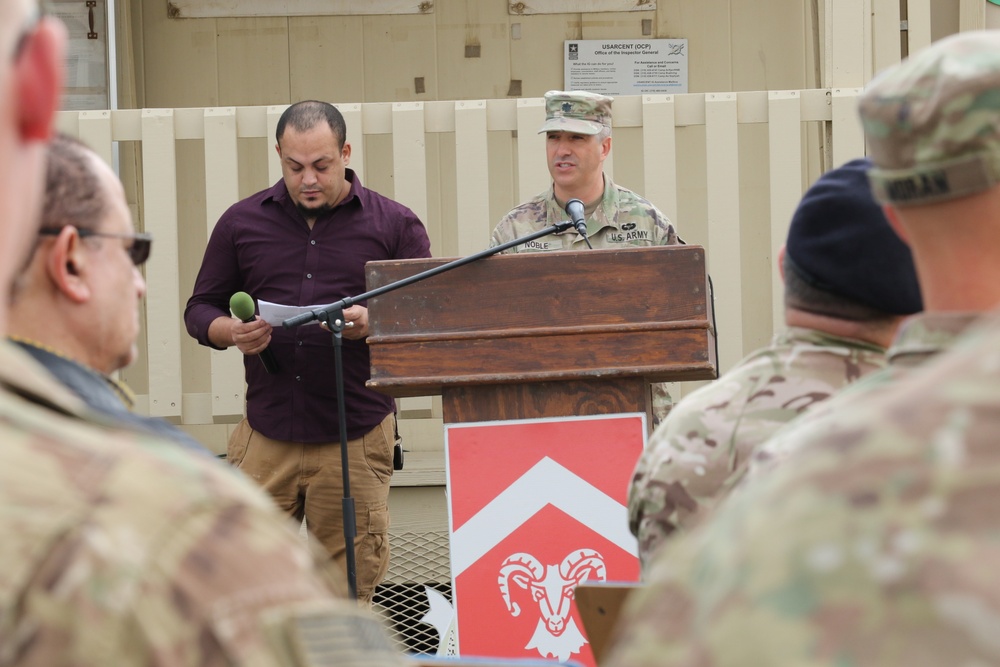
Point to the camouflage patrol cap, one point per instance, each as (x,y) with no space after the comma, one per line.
(576,111)
(933,122)
(840,242)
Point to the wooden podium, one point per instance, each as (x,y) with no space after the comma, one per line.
(534,335)
(543,362)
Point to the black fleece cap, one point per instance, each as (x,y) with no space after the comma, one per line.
(839,241)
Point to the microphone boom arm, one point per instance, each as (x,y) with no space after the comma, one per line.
(323,314)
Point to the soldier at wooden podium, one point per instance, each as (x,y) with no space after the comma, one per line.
(577,141)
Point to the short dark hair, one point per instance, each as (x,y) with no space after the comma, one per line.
(801,295)
(73,193)
(306,115)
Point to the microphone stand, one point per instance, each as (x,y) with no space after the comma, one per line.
(333,316)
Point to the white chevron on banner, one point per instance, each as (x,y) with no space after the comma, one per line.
(546,483)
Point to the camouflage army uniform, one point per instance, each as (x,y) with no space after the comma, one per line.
(920,338)
(708,438)
(122,549)
(874,545)
(622,220)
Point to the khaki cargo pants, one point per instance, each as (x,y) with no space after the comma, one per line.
(305,481)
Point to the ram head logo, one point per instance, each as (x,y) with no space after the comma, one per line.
(551,589)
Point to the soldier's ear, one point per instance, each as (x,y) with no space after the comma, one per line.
(66,266)
(781,262)
(39,73)
(893,217)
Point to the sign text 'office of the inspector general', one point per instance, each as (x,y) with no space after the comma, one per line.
(626,66)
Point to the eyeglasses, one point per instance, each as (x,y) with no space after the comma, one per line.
(138,250)
(30,23)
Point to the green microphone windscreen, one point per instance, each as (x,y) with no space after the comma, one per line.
(241,304)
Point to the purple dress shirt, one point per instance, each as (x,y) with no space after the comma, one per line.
(263,246)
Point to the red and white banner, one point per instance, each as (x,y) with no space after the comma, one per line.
(537,507)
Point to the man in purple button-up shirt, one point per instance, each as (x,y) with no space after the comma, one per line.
(305,241)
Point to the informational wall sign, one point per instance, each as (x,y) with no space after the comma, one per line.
(626,66)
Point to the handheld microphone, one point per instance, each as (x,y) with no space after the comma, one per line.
(575,210)
(241,304)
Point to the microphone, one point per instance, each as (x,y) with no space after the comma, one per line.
(241,304)
(575,210)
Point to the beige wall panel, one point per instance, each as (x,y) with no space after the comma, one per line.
(162,299)
(378,151)
(472,176)
(501,165)
(322,59)
(659,153)
(692,185)
(94,129)
(708,28)
(355,136)
(867,56)
(946,19)
(627,169)
(724,243)
(768,45)
(992,17)
(536,59)
(215,8)
(918,21)
(398,50)
(846,66)
(618,25)
(418,509)
(848,137)
(886,38)
(133,47)
(473,25)
(532,171)
(444,201)
(193,227)
(172,51)
(551,6)
(784,182)
(253,61)
(971,15)
(213,436)
(425,434)
(256,154)
(409,157)
(273,162)
(440,184)
(755,236)
(222,190)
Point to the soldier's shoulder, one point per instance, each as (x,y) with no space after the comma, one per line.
(115,529)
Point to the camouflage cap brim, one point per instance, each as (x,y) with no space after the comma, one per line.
(575,125)
(935,182)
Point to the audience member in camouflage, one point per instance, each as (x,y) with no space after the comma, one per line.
(920,338)
(842,306)
(577,141)
(916,173)
(120,548)
(710,434)
(871,544)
